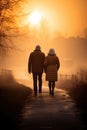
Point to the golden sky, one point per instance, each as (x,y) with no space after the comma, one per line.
(66,16)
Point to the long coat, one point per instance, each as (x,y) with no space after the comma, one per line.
(36,62)
(52,65)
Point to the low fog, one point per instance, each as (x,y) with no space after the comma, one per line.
(72,52)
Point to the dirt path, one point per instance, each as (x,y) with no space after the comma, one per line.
(45,112)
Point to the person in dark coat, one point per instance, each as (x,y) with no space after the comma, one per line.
(36,66)
(52,65)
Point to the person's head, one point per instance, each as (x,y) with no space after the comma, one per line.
(37,47)
(51,51)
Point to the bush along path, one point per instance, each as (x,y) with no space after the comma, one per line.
(46,112)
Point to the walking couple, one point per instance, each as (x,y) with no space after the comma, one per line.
(39,63)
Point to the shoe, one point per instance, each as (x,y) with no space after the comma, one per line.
(40,91)
(52,92)
(35,93)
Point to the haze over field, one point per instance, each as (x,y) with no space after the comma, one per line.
(62,25)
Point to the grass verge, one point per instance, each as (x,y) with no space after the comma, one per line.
(12,98)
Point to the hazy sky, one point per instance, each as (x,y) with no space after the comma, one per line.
(66,16)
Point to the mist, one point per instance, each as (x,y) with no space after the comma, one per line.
(60,28)
(72,52)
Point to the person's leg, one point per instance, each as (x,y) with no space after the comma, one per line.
(35,83)
(40,82)
(49,84)
(53,86)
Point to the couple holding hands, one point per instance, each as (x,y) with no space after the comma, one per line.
(39,63)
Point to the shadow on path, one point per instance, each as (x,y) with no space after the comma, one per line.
(45,112)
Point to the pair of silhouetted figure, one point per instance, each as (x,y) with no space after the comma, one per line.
(39,63)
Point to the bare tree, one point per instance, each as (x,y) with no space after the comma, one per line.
(10,10)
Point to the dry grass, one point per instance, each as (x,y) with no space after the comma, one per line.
(12,98)
(76,87)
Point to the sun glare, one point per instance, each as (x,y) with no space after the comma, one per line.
(35,17)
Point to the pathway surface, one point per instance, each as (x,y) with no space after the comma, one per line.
(45,112)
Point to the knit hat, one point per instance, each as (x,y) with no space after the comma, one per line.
(38,47)
(51,51)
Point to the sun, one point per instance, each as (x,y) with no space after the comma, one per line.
(35,17)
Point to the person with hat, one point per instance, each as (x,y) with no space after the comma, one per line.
(36,66)
(52,65)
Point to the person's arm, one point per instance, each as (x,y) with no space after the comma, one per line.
(45,64)
(58,63)
(29,64)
